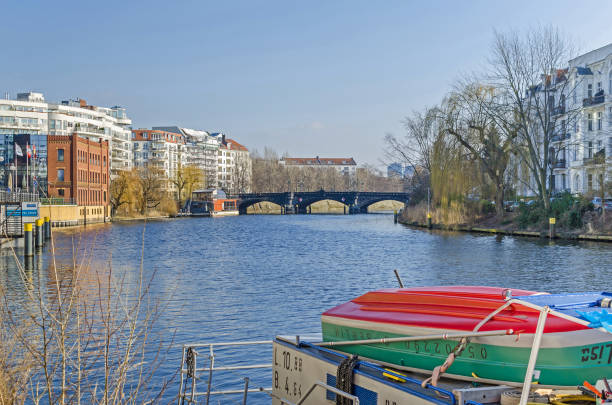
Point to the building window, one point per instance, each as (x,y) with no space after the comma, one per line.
(599,119)
(60,174)
(590,91)
(590,149)
(590,121)
(590,182)
(60,192)
(60,155)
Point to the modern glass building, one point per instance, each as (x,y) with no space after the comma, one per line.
(19,172)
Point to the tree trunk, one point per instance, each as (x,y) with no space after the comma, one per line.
(499,200)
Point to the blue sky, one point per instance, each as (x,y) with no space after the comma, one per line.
(326,78)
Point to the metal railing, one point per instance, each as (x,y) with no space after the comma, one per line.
(18,196)
(189,371)
(57,201)
(586,102)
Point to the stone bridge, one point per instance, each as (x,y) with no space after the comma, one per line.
(298,202)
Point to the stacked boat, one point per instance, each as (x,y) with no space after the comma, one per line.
(487,332)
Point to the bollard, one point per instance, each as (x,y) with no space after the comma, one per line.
(39,232)
(551,227)
(429,221)
(27,236)
(395,216)
(47,228)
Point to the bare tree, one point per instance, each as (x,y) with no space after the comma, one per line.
(150,189)
(530,69)
(472,115)
(120,191)
(415,148)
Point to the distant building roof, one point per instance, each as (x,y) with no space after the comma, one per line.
(233,145)
(319,161)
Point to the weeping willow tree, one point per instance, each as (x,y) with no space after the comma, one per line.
(453,177)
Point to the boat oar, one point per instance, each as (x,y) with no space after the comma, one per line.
(443,336)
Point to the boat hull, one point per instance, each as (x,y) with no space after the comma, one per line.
(570,351)
(225,213)
(556,366)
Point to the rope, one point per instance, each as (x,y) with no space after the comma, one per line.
(344,379)
(439,370)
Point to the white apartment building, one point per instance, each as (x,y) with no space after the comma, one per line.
(199,149)
(583,141)
(159,149)
(343,165)
(234,168)
(30,113)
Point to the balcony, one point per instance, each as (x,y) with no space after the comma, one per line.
(591,101)
(560,137)
(560,164)
(558,110)
(597,159)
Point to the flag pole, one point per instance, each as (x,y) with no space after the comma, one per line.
(27,167)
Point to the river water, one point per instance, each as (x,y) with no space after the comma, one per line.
(252,277)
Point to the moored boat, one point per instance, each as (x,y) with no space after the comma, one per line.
(211,202)
(499,328)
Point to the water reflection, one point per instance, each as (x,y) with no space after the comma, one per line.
(251,277)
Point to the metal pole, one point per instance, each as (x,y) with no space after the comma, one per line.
(443,336)
(47,228)
(212,365)
(533,356)
(27,236)
(246,390)
(399,279)
(39,234)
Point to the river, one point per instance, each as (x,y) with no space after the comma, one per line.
(252,277)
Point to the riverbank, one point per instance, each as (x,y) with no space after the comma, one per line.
(490,224)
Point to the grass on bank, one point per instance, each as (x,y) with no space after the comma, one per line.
(572,214)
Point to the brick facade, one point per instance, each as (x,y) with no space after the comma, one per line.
(84,165)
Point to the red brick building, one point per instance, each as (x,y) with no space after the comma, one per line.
(78,169)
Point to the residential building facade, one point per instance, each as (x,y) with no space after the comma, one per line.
(581,143)
(234,168)
(199,149)
(159,149)
(30,114)
(346,166)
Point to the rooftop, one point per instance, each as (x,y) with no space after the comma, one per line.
(319,161)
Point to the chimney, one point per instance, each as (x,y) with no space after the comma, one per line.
(82,103)
(223,139)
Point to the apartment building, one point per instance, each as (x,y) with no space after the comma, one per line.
(199,149)
(162,150)
(346,166)
(78,170)
(582,144)
(234,168)
(30,114)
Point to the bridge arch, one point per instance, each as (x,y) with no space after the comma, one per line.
(243,205)
(303,206)
(362,206)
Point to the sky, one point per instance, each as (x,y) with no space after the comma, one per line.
(311,78)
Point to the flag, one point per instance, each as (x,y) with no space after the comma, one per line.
(28,150)
(18,150)
(34,150)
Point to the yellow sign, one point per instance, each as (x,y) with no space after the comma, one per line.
(552,221)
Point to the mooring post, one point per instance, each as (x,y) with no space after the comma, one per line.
(551,227)
(395,216)
(39,232)
(344,209)
(429,220)
(27,239)
(47,228)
